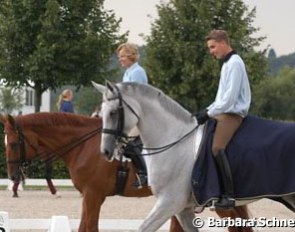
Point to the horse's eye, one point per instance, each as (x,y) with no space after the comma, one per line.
(113,112)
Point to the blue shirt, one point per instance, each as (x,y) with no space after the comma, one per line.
(67,107)
(135,73)
(234,94)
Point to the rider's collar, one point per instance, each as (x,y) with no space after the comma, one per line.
(228,56)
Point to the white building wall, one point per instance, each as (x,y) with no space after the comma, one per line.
(28,96)
(29,101)
(45,104)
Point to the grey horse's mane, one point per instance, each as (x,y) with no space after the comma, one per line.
(152,93)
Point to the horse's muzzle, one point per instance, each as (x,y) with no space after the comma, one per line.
(108,155)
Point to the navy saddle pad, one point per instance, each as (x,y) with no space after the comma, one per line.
(261,156)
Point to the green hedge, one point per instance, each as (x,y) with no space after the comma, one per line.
(36,171)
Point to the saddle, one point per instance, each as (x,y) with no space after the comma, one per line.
(262,160)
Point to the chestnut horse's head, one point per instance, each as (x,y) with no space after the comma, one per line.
(17,147)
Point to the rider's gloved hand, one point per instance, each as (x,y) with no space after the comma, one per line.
(202,116)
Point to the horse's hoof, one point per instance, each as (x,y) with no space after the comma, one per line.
(199,209)
(15,195)
(56,195)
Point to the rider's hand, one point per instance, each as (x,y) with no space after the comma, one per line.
(202,117)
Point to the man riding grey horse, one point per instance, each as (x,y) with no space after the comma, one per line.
(231,105)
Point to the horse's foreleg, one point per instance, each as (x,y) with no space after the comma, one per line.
(164,208)
(92,202)
(288,201)
(237,212)
(175,225)
(160,213)
(15,188)
(51,186)
(82,226)
(186,217)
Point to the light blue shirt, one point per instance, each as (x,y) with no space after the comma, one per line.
(135,73)
(234,94)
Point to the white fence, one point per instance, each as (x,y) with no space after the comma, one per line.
(64,224)
(60,223)
(38,182)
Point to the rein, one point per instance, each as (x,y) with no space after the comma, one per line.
(168,146)
(53,155)
(61,151)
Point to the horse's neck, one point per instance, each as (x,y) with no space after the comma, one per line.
(158,127)
(59,140)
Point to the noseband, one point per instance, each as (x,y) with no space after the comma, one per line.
(22,162)
(119,134)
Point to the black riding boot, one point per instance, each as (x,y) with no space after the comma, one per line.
(139,164)
(226,201)
(133,151)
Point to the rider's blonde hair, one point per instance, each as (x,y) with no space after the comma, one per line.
(131,49)
(65,95)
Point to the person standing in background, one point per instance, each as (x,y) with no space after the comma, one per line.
(65,103)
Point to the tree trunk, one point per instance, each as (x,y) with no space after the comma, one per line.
(38,97)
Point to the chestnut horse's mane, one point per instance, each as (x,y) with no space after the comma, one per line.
(56,119)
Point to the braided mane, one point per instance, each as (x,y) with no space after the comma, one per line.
(56,119)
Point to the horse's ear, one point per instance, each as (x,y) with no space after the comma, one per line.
(11,120)
(3,119)
(99,87)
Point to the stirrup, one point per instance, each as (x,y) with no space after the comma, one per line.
(225,202)
(141,180)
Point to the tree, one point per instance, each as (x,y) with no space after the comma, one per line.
(10,99)
(274,97)
(48,43)
(272,54)
(276,64)
(177,60)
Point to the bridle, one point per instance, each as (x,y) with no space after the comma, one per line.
(119,134)
(23,162)
(121,137)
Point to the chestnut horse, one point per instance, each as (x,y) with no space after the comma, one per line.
(75,139)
